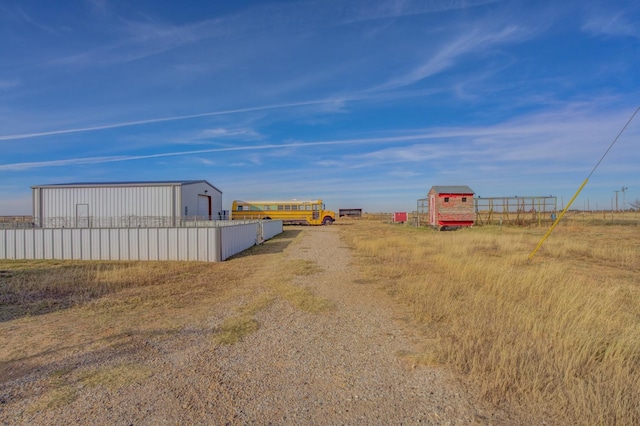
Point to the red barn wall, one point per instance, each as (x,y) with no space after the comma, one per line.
(454,212)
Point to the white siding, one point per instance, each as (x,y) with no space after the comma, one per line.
(271,228)
(190,192)
(102,202)
(121,205)
(237,238)
(196,244)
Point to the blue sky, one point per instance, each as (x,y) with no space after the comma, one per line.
(362,103)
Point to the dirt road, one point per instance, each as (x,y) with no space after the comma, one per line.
(343,365)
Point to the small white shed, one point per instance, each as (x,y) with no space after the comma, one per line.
(125,204)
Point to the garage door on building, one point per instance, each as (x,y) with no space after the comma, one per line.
(204,206)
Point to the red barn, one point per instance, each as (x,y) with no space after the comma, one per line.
(451,206)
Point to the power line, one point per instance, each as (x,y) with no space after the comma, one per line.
(582,186)
(613,143)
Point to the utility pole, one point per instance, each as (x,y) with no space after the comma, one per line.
(616,199)
(624,198)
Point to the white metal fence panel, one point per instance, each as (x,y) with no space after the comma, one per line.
(237,238)
(38,245)
(210,244)
(199,244)
(8,244)
(271,228)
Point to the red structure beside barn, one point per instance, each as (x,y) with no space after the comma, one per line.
(451,206)
(400,217)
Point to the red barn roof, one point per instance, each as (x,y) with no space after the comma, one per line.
(452,189)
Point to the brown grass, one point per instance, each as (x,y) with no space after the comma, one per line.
(559,335)
(37,287)
(52,311)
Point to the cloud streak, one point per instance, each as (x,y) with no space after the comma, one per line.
(617,25)
(473,41)
(162,120)
(119,158)
(559,135)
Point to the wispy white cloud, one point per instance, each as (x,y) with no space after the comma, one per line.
(404,174)
(398,91)
(365,10)
(575,134)
(161,120)
(18,14)
(467,41)
(618,24)
(100,7)
(120,158)
(9,84)
(223,133)
(137,39)
(329,163)
(206,162)
(550,136)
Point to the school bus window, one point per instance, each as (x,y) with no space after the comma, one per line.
(280,207)
(315,207)
(294,207)
(266,207)
(239,208)
(287,207)
(307,207)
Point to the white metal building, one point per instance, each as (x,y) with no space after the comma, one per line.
(125,204)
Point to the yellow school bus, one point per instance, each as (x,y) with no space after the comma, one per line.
(291,212)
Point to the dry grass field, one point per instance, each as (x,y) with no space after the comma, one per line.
(558,335)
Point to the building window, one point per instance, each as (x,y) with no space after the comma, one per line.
(464,199)
(446,199)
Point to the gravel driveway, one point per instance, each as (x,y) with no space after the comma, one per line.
(342,366)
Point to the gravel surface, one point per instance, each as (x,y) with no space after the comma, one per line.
(343,366)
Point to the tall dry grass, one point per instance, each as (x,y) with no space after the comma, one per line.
(41,286)
(559,336)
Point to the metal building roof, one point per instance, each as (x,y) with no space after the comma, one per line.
(121,184)
(452,189)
